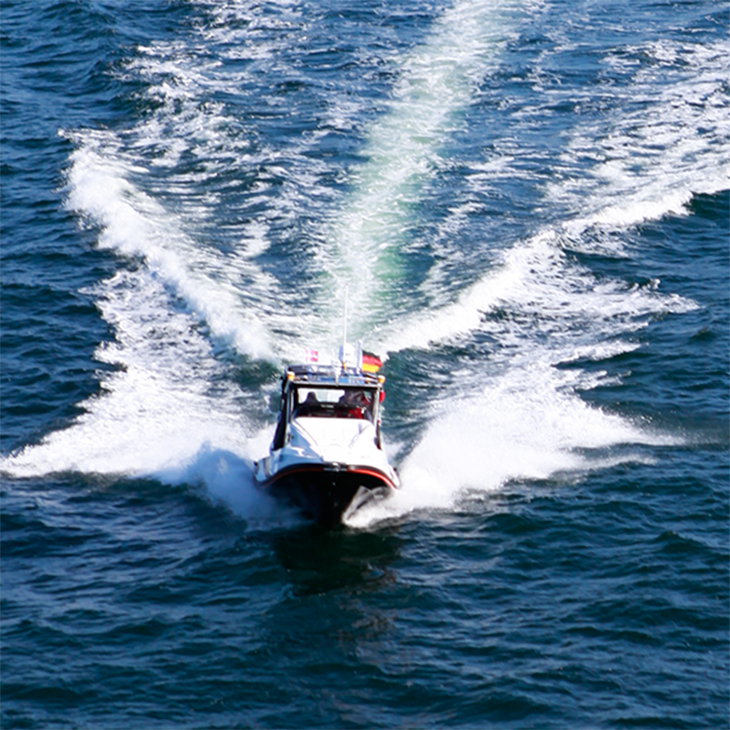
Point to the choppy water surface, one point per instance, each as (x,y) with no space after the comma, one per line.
(529,202)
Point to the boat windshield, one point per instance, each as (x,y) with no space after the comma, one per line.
(333,402)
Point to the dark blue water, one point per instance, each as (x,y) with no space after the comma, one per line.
(529,203)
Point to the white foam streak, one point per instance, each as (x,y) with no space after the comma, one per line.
(227,477)
(526,425)
(652,161)
(535,277)
(134,224)
(155,411)
(436,83)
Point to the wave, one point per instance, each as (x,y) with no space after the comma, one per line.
(196,280)
(525,425)
(669,142)
(135,225)
(435,86)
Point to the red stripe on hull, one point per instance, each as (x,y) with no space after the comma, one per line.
(328,471)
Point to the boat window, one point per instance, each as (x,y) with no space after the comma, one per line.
(333,402)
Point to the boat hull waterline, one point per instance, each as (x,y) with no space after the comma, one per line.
(329,493)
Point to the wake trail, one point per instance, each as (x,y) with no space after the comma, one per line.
(436,84)
(526,418)
(183,295)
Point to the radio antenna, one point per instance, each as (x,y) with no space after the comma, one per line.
(344,329)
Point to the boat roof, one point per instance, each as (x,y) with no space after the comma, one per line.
(331,376)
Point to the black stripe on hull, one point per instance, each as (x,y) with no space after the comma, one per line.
(328,494)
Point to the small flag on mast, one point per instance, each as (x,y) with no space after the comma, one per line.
(371,363)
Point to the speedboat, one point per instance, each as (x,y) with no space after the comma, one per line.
(327,455)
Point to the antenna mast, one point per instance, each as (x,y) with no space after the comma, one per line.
(344,329)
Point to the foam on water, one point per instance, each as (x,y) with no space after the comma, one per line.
(135,225)
(155,411)
(649,163)
(170,411)
(670,141)
(436,83)
(535,277)
(523,425)
(529,422)
(523,418)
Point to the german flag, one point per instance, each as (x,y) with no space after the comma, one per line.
(371,363)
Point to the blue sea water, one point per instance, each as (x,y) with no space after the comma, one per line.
(530,205)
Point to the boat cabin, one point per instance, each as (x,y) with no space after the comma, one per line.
(311,392)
